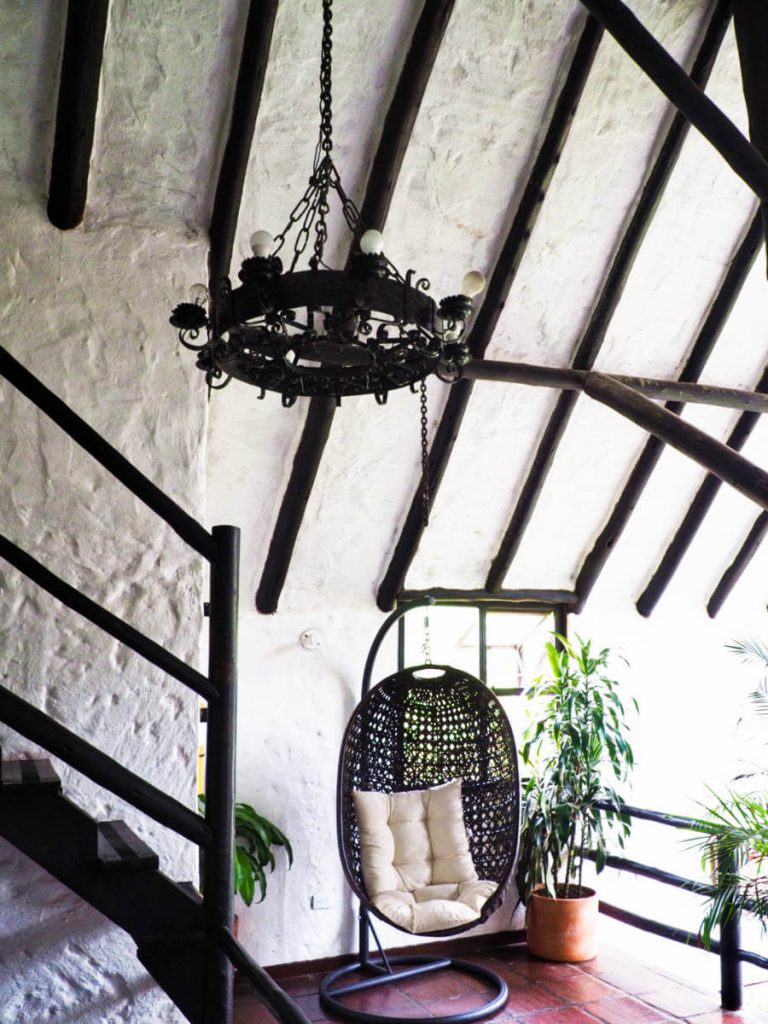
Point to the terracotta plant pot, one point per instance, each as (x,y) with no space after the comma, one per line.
(563,929)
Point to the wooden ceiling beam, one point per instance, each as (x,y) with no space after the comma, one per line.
(720,459)
(696,514)
(76,111)
(607,302)
(685,93)
(718,313)
(679,391)
(733,573)
(385,170)
(499,285)
(257,41)
(751,26)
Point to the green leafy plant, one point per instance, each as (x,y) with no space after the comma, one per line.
(734,845)
(734,825)
(577,744)
(255,836)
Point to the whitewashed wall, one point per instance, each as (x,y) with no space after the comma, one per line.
(87,313)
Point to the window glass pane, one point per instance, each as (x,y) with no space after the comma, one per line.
(515,656)
(454,637)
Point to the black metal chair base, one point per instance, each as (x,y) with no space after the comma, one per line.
(330,997)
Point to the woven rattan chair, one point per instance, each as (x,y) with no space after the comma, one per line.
(420,728)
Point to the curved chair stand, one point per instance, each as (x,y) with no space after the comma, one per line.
(411,732)
(382,973)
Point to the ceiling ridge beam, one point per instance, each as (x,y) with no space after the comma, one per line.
(751,27)
(499,286)
(78,100)
(682,91)
(733,573)
(254,56)
(696,513)
(720,459)
(382,179)
(607,301)
(719,311)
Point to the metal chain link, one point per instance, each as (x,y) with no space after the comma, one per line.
(426,644)
(326,54)
(425,492)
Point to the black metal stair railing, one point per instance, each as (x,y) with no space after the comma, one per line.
(728,948)
(214,832)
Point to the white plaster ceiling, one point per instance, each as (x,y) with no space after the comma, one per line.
(167,82)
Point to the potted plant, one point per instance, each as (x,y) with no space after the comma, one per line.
(576,750)
(255,836)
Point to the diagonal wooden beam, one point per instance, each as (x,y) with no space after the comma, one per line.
(750,20)
(76,111)
(606,304)
(257,41)
(499,287)
(720,459)
(733,573)
(683,92)
(696,514)
(385,170)
(718,313)
(675,391)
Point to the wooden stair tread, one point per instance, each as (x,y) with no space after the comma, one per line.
(118,848)
(28,775)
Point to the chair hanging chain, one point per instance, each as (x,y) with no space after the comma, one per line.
(425,492)
(426,641)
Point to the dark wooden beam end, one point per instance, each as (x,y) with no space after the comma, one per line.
(733,573)
(696,514)
(257,41)
(76,111)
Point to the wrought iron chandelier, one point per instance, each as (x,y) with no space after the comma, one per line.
(318,331)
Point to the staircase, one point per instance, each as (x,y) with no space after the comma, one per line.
(183,939)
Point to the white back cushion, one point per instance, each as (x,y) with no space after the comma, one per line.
(414,839)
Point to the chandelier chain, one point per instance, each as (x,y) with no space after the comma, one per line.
(425,489)
(326,120)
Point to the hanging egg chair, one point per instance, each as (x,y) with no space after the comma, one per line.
(428,806)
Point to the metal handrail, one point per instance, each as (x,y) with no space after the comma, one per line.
(278,1002)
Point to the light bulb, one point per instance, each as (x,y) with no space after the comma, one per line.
(261,243)
(372,242)
(198,294)
(451,333)
(473,283)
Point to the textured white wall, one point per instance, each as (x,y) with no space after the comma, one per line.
(87,313)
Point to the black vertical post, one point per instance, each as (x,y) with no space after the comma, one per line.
(561,622)
(730,964)
(483,643)
(220,768)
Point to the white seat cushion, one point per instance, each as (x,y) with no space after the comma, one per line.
(417,914)
(415,858)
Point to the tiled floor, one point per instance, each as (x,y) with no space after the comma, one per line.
(613,989)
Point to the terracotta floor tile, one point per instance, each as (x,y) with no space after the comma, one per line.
(301,985)
(439,985)
(528,996)
(461,1004)
(310,1004)
(541,969)
(681,1001)
(561,1015)
(632,979)
(731,1017)
(580,988)
(625,1010)
(387,1000)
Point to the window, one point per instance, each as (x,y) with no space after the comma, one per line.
(502,646)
